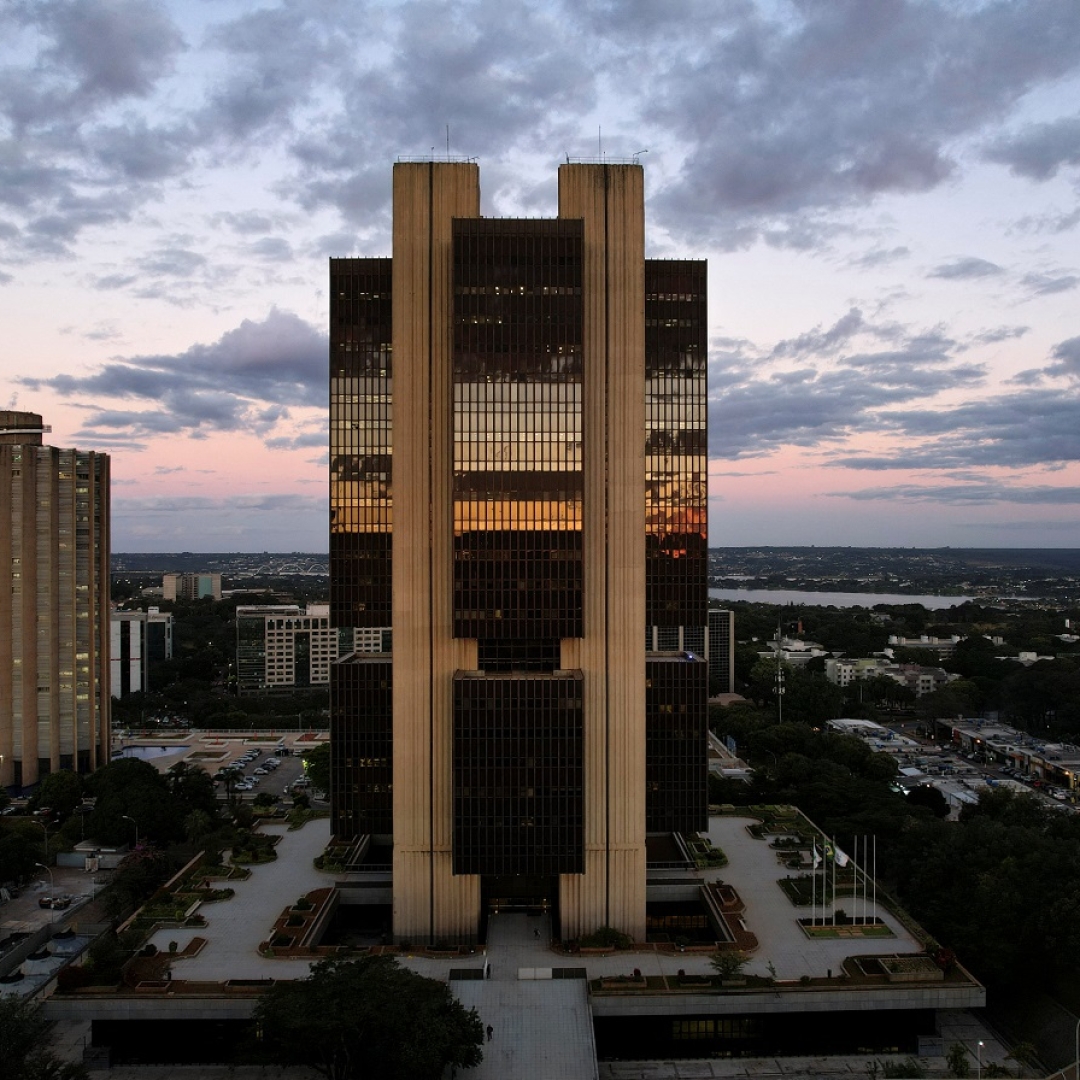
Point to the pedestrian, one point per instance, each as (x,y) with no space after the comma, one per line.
(536,932)
(490,1032)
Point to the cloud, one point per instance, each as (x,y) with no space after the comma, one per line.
(966,269)
(968,494)
(1039,151)
(756,408)
(245,381)
(1048,284)
(1031,427)
(1067,359)
(793,109)
(881,257)
(90,53)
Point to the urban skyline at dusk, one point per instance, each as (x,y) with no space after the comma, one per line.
(888,196)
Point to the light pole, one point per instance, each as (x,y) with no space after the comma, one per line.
(136,824)
(45,829)
(52,892)
(978,1060)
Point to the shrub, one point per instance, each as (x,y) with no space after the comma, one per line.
(606,937)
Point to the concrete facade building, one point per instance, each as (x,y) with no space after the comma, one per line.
(281,647)
(532,504)
(137,639)
(721,651)
(54,605)
(190,586)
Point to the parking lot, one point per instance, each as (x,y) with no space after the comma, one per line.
(237,762)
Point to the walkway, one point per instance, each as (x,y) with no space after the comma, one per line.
(540,1028)
(754,871)
(237,926)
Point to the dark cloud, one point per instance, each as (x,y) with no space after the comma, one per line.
(90,53)
(1001,333)
(499,74)
(1046,284)
(753,411)
(136,151)
(1053,221)
(1039,151)
(965,269)
(969,494)
(1066,360)
(276,58)
(797,107)
(246,380)
(1032,427)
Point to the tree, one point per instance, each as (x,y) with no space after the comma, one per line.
(129,788)
(369,1018)
(317,766)
(24,1035)
(927,795)
(729,964)
(61,791)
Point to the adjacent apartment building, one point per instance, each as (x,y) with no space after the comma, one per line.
(283,647)
(190,586)
(518,491)
(54,605)
(136,640)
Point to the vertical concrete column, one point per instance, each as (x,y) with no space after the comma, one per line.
(429,902)
(610,200)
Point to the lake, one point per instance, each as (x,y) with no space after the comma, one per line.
(835,599)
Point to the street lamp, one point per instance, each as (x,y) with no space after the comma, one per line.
(45,829)
(136,824)
(52,892)
(978,1060)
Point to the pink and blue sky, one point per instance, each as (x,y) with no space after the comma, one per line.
(887,191)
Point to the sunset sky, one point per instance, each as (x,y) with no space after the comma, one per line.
(887,191)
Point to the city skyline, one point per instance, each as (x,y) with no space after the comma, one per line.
(887,196)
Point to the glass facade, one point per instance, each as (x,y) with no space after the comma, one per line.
(676,734)
(516,382)
(361,747)
(676,501)
(518,774)
(361,442)
(517,399)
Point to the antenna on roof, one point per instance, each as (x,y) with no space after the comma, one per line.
(599,144)
(447,142)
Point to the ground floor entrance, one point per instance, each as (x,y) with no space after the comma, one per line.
(523,894)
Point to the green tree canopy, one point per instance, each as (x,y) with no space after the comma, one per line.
(317,766)
(369,1018)
(129,788)
(61,791)
(24,1037)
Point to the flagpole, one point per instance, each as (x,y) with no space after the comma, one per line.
(834,883)
(875,877)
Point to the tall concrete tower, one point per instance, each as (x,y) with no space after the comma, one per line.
(54,612)
(518,492)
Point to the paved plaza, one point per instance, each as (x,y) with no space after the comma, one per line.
(541,1028)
